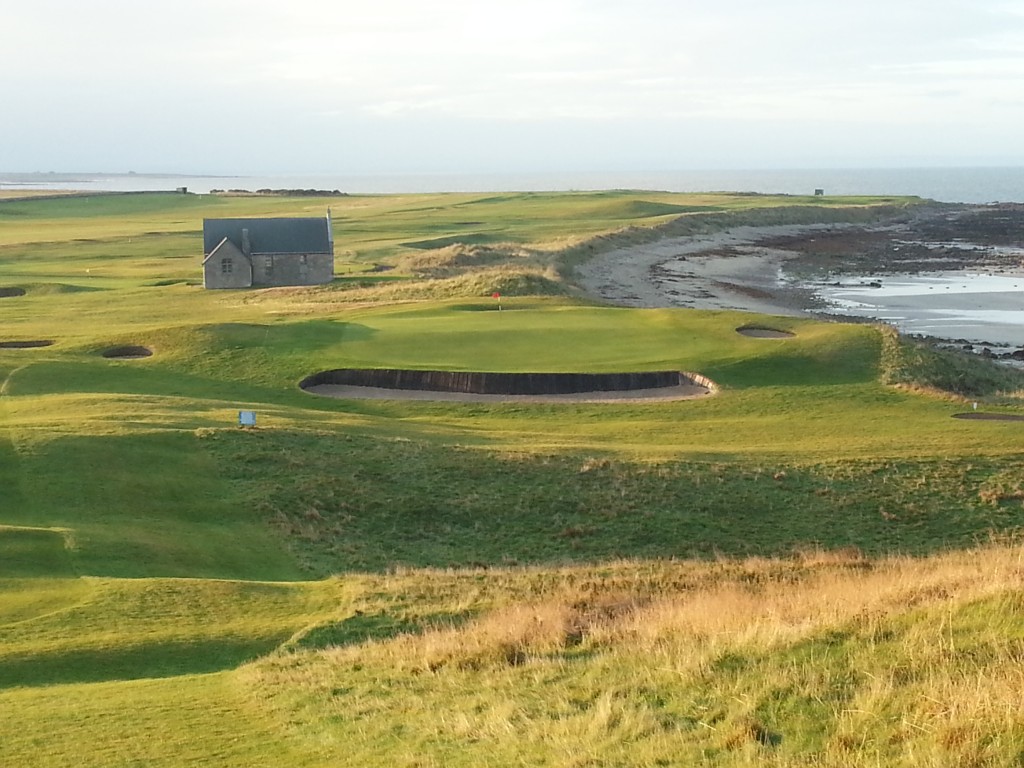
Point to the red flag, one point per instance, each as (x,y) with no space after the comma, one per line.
(495,295)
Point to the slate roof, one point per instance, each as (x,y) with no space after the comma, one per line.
(281,235)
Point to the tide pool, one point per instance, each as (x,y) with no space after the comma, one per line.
(978,307)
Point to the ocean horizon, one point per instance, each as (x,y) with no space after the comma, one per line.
(950,185)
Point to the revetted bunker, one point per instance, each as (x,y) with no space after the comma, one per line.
(480,383)
(982,416)
(25,343)
(761,332)
(9,292)
(128,352)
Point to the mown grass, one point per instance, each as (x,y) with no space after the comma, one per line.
(131,629)
(552,584)
(202,720)
(32,551)
(812,396)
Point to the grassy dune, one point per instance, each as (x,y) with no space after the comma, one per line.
(814,566)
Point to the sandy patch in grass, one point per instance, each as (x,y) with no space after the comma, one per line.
(26,343)
(757,332)
(130,352)
(975,416)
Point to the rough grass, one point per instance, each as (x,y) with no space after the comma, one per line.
(371,504)
(825,657)
(915,363)
(825,661)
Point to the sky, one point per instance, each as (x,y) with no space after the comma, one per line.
(476,86)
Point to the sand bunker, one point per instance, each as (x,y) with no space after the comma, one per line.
(758,332)
(468,386)
(25,344)
(10,292)
(127,353)
(975,416)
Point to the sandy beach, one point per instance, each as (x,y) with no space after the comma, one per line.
(893,273)
(731,269)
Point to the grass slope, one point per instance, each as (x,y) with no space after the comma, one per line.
(129,629)
(831,662)
(201,720)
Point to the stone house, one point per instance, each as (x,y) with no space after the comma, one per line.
(257,253)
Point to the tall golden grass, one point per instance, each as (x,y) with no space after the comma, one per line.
(825,658)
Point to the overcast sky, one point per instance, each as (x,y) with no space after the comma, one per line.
(477,86)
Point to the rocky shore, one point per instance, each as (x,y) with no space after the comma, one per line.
(779,269)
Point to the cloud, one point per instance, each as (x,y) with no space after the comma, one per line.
(308,70)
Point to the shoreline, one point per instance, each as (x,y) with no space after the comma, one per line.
(787,269)
(956,184)
(693,272)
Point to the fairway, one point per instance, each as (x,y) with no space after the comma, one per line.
(514,579)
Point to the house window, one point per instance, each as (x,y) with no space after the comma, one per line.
(302,259)
(226,266)
(268,265)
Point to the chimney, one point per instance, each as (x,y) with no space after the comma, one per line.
(330,232)
(246,247)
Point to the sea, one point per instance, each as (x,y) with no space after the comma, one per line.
(952,185)
(984,309)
